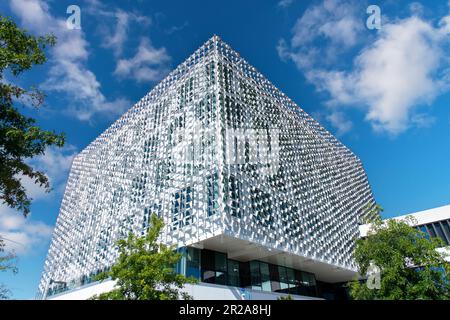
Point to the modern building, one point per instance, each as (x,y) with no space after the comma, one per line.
(254,192)
(433,222)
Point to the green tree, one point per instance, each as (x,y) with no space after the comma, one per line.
(7,262)
(411,267)
(20,137)
(145,269)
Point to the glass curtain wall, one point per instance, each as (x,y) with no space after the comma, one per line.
(214,267)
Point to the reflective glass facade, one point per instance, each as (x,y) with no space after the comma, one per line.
(214,267)
(439,229)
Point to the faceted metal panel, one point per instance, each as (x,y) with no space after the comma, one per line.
(213,149)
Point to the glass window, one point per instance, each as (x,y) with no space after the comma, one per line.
(291,279)
(221,278)
(193,263)
(233,273)
(309,281)
(220,262)
(274,277)
(209,276)
(180,267)
(208,260)
(299,289)
(446,227)
(431,230)
(255,275)
(425,231)
(207,264)
(244,274)
(214,267)
(284,286)
(440,233)
(265,277)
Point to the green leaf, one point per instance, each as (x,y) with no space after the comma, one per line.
(20,137)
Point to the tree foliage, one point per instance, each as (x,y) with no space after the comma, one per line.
(20,137)
(411,267)
(145,269)
(7,262)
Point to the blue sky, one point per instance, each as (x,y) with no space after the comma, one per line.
(385,93)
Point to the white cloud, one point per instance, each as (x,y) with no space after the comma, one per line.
(389,78)
(422,120)
(444,25)
(285,3)
(115,37)
(333,22)
(174,29)
(338,120)
(22,235)
(148,64)
(34,12)
(68,73)
(55,163)
(34,191)
(416,8)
